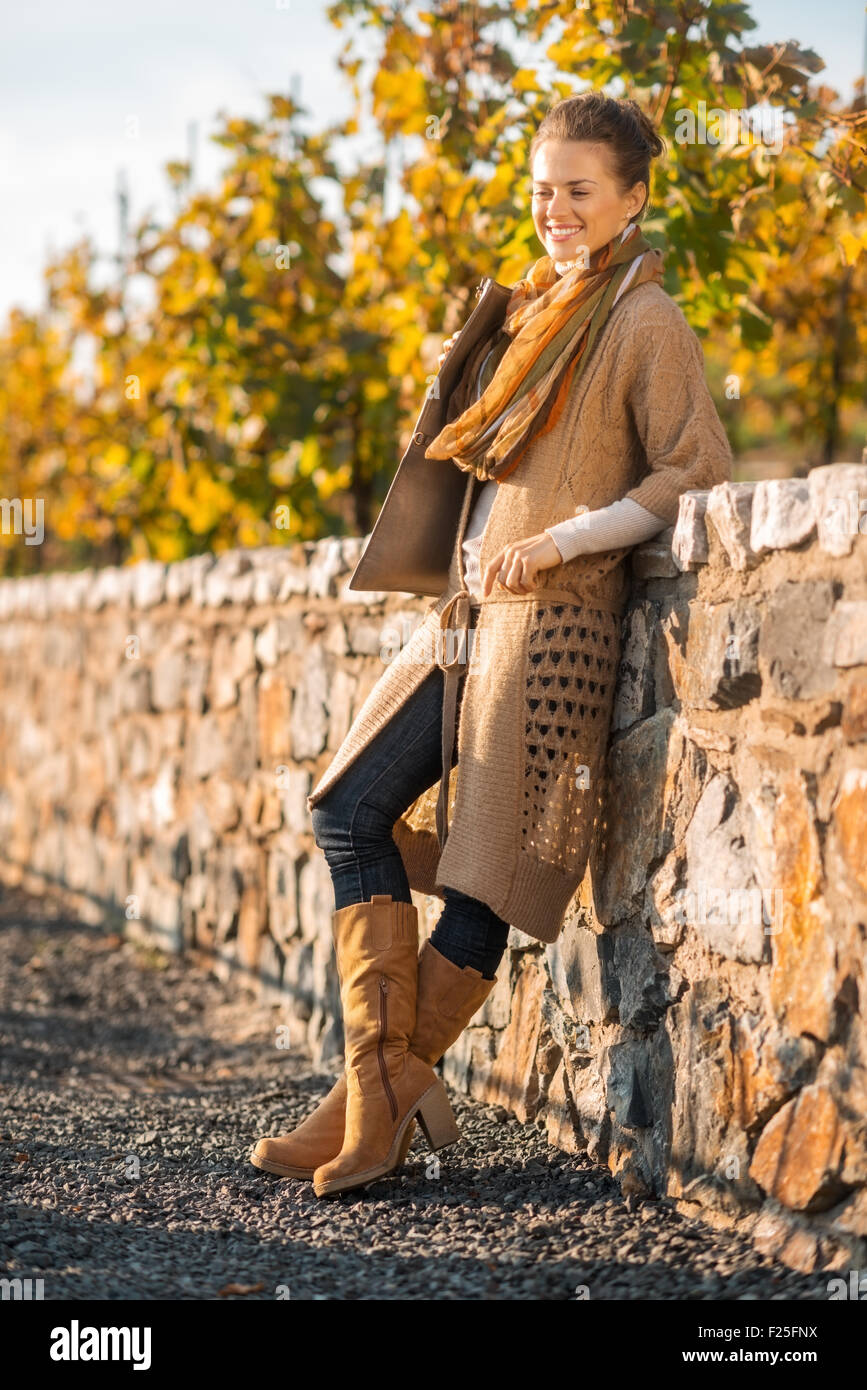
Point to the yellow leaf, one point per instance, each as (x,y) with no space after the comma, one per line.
(525,80)
(850,246)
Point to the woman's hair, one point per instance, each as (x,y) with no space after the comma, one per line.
(618,123)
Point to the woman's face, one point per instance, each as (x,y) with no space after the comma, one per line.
(577,201)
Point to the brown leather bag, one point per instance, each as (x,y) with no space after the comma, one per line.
(412,541)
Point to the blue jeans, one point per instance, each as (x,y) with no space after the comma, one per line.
(352,825)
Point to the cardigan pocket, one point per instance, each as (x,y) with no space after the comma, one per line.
(569,676)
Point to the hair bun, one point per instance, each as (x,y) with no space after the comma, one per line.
(645,131)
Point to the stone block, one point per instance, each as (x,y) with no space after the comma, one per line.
(293,581)
(802,983)
(366,636)
(497,1008)
(242,661)
(241,732)
(270,972)
(196,684)
(838,497)
(221,804)
(275,639)
(782,515)
(309,718)
(722,656)
(294,787)
(853,720)
(627,1084)
(298,981)
(721,898)
(253,909)
(634,696)
(325,565)
(799,1153)
(662,904)
(653,559)
(770,1067)
(217,589)
(148,583)
(283,889)
(340,706)
(792,637)
(729,508)
(846,635)
(691,1073)
(583,975)
(182,575)
(223,692)
(315,898)
(648,984)
(650,751)
(134,688)
(513,1080)
(207,748)
(689,544)
(168,679)
(590,1108)
(560,1118)
(274,700)
(847,836)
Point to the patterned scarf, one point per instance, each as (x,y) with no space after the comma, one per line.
(552,322)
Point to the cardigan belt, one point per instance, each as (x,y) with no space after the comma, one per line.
(460,604)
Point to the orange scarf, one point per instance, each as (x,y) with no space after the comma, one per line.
(552,322)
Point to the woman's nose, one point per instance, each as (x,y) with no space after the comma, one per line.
(558,206)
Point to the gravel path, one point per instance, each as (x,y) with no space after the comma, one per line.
(132,1089)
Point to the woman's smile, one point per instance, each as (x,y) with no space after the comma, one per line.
(559,233)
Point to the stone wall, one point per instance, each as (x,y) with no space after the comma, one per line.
(699,1026)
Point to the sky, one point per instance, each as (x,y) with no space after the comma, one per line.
(95,88)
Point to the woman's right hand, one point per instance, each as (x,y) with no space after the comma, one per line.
(447,346)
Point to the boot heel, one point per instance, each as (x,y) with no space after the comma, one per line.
(436,1119)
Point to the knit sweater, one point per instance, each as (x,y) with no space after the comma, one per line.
(527,787)
(623,523)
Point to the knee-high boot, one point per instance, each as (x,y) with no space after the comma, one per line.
(448,997)
(376,943)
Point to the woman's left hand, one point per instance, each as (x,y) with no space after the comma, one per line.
(516,566)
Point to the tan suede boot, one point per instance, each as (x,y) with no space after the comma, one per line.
(386,1085)
(318,1138)
(448,997)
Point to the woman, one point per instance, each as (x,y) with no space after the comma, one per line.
(581,423)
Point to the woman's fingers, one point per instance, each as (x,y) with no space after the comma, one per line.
(447,346)
(509,571)
(518,575)
(517,567)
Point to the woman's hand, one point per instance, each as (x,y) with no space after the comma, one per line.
(447,347)
(515,568)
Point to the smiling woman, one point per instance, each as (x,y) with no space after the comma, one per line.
(587,396)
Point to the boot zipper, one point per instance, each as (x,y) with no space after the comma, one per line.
(383,1031)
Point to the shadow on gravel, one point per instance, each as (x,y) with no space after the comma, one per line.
(147,1262)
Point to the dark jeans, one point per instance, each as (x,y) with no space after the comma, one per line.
(353,822)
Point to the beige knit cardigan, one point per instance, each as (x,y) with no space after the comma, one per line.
(525,794)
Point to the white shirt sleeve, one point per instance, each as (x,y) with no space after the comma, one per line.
(623,523)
